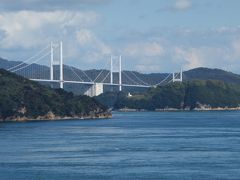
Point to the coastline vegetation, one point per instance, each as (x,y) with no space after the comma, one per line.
(190,95)
(22,99)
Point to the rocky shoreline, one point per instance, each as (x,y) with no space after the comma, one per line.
(186,109)
(51,117)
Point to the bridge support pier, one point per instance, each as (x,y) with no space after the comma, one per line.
(95,90)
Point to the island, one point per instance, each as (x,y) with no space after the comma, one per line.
(189,95)
(22,100)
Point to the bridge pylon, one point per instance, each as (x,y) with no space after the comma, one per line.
(177,77)
(58,61)
(116,68)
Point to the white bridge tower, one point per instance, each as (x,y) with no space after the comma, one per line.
(177,77)
(116,67)
(58,61)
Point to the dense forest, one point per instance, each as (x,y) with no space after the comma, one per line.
(21,98)
(187,95)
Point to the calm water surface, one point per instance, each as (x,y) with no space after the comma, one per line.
(147,145)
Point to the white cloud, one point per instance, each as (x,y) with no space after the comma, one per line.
(84,37)
(152,52)
(213,57)
(148,68)
(26,29)
(95,47)
(191,57)
(148,49)
(46,5)
(182,4)
(236,48)
(178,5)
(144,56)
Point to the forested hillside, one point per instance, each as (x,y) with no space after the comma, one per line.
(23,99)
(187,95)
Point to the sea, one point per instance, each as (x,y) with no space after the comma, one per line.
(131,145)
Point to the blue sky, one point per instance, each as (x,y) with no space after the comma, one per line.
(151,35)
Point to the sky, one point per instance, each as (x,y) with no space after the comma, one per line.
(151,35)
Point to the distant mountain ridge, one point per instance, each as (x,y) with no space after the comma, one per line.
(152,78)
(211,74)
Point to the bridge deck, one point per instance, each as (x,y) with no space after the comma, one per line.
(90,83)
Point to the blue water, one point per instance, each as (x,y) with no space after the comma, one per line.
(146,145)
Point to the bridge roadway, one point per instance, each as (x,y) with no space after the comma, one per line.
(91,83)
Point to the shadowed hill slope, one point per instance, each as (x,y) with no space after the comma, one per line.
(187,95)
(23,99)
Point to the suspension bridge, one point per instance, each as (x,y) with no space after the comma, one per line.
(54,73)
